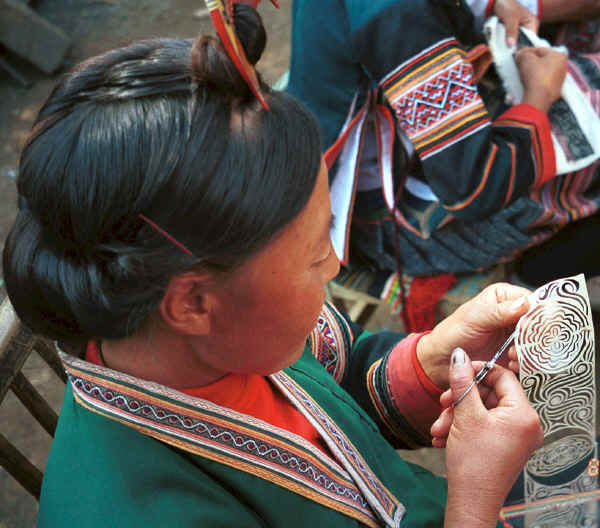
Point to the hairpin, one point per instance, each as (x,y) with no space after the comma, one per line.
(221,13)
(165,234)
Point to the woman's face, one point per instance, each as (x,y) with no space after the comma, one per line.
(267,310)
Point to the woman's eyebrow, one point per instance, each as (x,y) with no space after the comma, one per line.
(330,226)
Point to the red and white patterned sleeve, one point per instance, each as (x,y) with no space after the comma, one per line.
(475,164)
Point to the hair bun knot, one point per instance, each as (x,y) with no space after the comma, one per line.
(212,66)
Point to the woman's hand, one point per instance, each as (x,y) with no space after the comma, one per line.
(487,444)
(543,72)
(480,325)
(513,14)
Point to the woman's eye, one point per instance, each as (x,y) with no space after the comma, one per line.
(322,260)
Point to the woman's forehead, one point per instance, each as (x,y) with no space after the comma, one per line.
(315,218)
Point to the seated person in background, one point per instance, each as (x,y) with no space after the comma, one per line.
(449,179)
(173,235)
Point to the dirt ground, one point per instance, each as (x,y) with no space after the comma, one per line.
(94,26)
(98,25)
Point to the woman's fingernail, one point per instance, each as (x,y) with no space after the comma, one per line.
(517,305)
(458,357)
(510,41)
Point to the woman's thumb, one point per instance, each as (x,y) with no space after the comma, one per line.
(461,378)
(512,31)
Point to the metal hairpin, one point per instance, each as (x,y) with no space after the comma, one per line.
(165,234)
(479,377)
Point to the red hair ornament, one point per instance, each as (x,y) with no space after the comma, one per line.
(221,13)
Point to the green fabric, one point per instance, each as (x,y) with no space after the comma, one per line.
(103,473)
(422,493)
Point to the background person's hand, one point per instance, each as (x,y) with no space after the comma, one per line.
(512,14)
(543,72)
(480,325)
(485,448)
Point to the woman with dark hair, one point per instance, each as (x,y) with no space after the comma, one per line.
(173,236)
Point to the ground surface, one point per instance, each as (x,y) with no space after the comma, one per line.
(98,25)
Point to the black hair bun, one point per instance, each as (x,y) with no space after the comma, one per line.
(212,66)
(250,30)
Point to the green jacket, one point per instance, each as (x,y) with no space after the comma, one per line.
(133,453)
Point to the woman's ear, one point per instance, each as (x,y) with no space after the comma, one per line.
(186,305)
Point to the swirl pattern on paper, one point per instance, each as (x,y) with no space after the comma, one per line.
(560,455)
(565,401)
(553,336)
(536,492)
(555,346)
(570,516)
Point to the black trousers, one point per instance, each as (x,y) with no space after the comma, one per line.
(574,249)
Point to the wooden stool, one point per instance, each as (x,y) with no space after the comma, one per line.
(16,344)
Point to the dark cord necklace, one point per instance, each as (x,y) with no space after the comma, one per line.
(99,344)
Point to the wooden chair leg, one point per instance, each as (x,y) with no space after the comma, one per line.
(34,402)
(48,353)
(357,309)
(29,476)
(14,73)
(16,344)
(13,355)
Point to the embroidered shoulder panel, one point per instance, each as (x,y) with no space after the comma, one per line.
(435,99)
(216,433)
(331,340)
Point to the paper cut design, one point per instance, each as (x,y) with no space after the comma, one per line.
(555,346)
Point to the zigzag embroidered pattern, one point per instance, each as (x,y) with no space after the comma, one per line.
(327,342)
(435,99)
(382,495)
(209,434)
